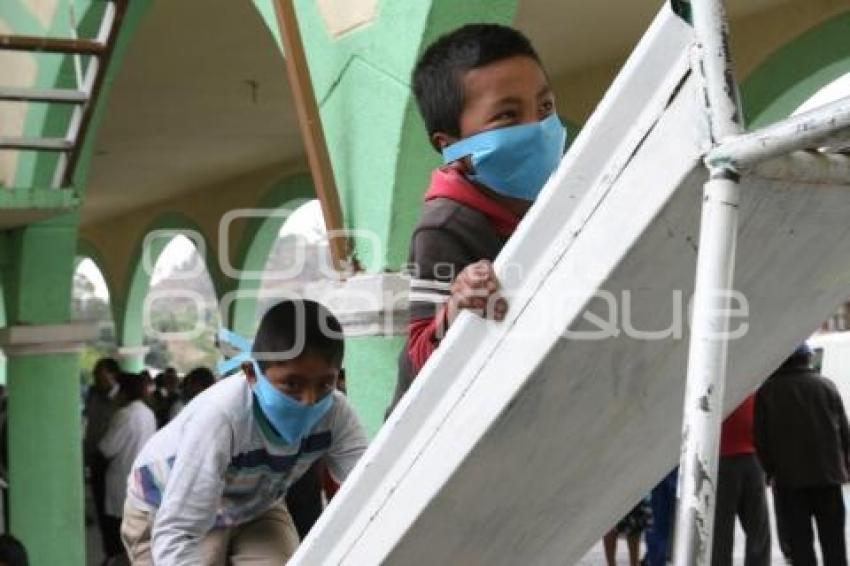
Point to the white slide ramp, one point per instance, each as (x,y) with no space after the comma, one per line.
(522,442)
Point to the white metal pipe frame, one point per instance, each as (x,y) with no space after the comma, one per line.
(709,341)
(707,355)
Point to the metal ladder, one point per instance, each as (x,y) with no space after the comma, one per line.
(84,97)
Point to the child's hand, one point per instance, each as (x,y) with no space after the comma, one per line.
(477,289)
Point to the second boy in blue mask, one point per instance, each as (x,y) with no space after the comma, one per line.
(490,112)
(208,488)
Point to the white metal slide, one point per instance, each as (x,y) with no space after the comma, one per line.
(521,442)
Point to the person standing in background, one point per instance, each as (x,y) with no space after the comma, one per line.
(129,430)
(100,405)
(195,382)
(803,441)
(740,492)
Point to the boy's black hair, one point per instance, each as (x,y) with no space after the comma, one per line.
(294,324)
(438,75)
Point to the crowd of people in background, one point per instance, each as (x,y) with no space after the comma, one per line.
(122,411)
(791,435)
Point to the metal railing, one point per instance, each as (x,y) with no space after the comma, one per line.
(83,97)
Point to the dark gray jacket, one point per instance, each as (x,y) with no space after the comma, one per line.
(801,431)
(448,237)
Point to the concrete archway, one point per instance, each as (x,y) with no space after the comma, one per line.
(129,322)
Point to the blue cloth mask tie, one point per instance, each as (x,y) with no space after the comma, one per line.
(292,420)
(515,161)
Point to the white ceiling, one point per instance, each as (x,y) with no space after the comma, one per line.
(202,96)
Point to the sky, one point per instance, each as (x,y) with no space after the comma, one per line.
(305,221)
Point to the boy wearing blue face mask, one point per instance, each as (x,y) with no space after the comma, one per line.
(208,488)
(490,112)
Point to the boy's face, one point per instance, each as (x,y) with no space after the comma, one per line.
(307,379)
(504,93)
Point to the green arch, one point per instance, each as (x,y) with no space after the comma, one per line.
(255,245)
(794,72)
(129,305)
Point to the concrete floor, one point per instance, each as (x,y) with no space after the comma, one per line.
(596,555)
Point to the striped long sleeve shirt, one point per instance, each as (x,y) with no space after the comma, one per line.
(219,464)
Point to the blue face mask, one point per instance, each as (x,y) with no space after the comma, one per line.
(292,420)
(515,161)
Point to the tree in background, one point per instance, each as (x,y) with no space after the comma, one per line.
(171,315)
(88,306)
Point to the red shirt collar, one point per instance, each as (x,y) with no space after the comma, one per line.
(449,183)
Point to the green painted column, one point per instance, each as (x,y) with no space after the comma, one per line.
(796,71)
(45,460)
(371,367)
(45,457)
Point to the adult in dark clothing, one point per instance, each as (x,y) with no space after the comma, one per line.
(101,403)
(781,527)
(803,440)
(740,492)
